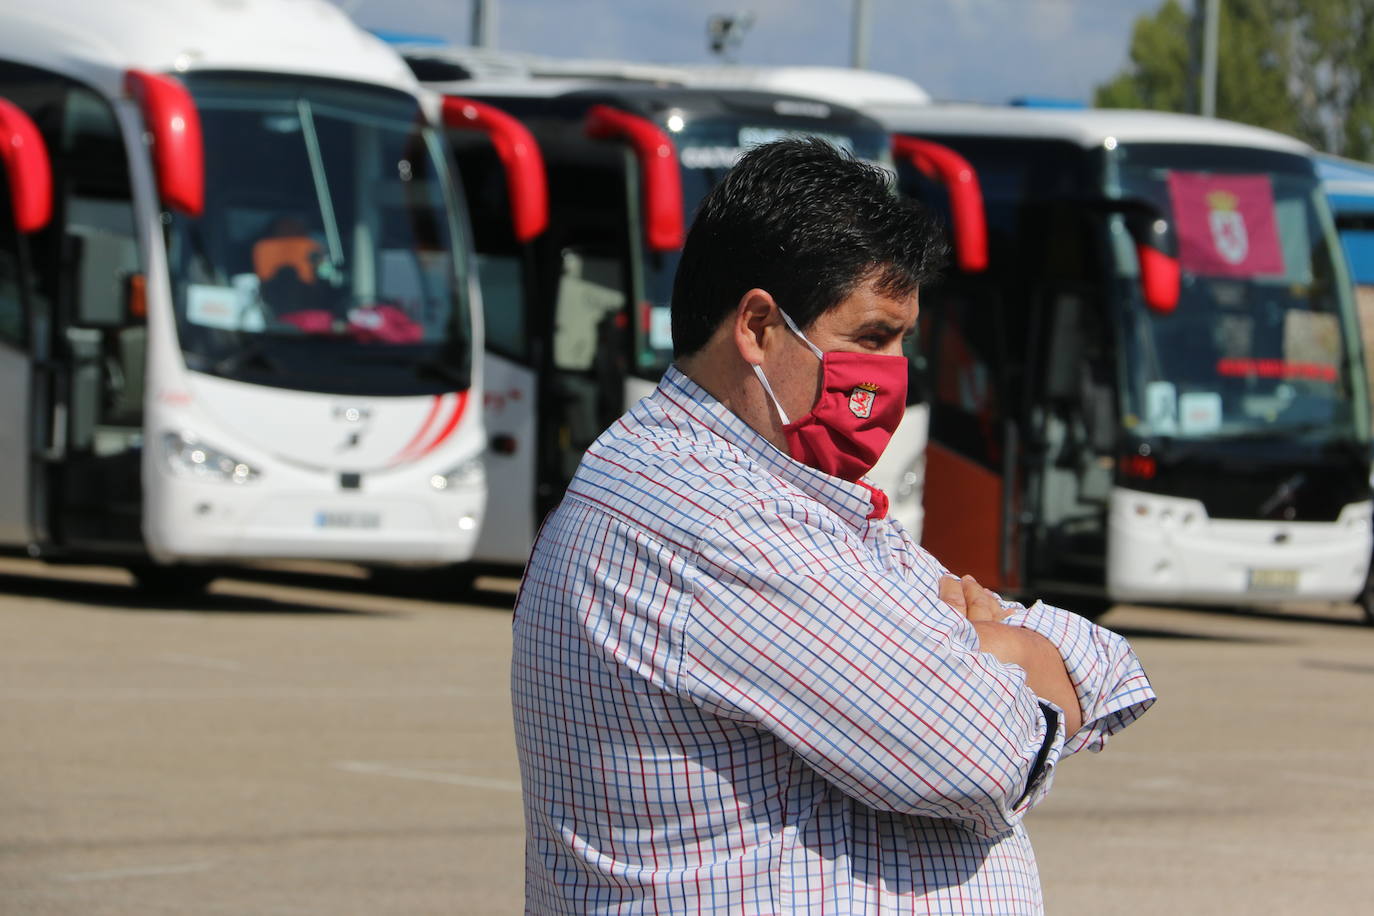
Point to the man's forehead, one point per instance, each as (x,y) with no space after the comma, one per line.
(867,307)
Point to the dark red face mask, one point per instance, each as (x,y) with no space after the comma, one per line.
(863,398)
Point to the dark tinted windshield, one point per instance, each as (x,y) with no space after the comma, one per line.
(325,258)
(1262,341)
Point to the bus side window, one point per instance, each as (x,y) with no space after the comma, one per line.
(588,348)
(101,237)
(965,375)
(11,301)
(503,305)
(588,297)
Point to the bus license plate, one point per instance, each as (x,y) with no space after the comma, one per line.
(355,521)
(1274,580)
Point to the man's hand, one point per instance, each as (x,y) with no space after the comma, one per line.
(970,599)
(1036,655)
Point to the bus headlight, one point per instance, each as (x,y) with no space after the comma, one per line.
(187,456)
(468,475)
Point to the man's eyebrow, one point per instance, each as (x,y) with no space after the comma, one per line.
(878,325)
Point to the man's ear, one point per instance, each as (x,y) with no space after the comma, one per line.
(755,315)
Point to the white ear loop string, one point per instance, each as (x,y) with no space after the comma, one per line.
(782,414)
(758,370)
(814,349)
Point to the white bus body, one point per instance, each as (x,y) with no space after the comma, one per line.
(288,367)
(1288,531)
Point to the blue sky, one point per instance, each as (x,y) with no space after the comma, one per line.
(981,50)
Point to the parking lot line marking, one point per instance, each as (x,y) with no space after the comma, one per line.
(146,871)
(233,693)
(201,661)
(1331,779)
(400,772)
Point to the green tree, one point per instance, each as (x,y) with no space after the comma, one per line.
(1333,72)
(1157,76)
(1303,67)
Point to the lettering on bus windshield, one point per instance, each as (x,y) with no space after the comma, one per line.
(723,156)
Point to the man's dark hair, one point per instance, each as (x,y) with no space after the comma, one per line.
(809,224)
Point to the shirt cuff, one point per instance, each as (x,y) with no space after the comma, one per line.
(1111,685)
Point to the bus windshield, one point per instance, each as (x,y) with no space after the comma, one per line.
(1261,342)
(707,148)
(325,256)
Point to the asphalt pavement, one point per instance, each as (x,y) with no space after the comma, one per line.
(298,744)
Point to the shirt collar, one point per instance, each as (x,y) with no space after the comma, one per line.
(857,502)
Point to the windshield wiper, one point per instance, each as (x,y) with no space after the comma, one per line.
(434,369)
(1275,432)
(251,354)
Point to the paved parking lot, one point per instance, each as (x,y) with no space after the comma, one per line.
(297,745)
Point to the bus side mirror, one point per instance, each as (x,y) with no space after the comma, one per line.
(661,178)
(526,181)
(960,179)
(171,118)
(1156,248)
(25,162)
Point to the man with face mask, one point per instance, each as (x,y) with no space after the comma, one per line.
(739,687)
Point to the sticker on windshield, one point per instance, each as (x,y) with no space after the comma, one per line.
(661,328)
(1161,408)
(1199,413)
(1226,224)
(231,308)
(1311,338)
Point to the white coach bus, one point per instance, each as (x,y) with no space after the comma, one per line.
(248,327)
(1152,387)
(1158,382)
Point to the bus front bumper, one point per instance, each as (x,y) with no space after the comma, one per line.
(191,521)
(1166,550)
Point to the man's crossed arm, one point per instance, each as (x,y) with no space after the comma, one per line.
(1044,666)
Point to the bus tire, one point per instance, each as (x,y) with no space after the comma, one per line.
(171,581)
(442,583)
(1366,603)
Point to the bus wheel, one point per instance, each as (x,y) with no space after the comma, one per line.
(171,581)
(441,583)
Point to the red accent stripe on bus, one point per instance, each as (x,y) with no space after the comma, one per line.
(420,435)
(450,426)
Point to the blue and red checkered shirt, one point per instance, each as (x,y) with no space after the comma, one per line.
(736,691)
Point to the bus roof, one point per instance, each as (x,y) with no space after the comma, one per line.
(1349,184)
(646,89)
(96,41)
(1087,127)
(843,85)
(651,100)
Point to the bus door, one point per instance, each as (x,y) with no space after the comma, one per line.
(901,471)
(507,193)
(1069,413)
(92,350)
(588,267)
(25,208)
(970,456)
(615,190)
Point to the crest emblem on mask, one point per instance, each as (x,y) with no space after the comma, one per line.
(861,399)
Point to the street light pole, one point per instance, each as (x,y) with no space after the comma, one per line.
(1210,27)
(483,23)
(858,56)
